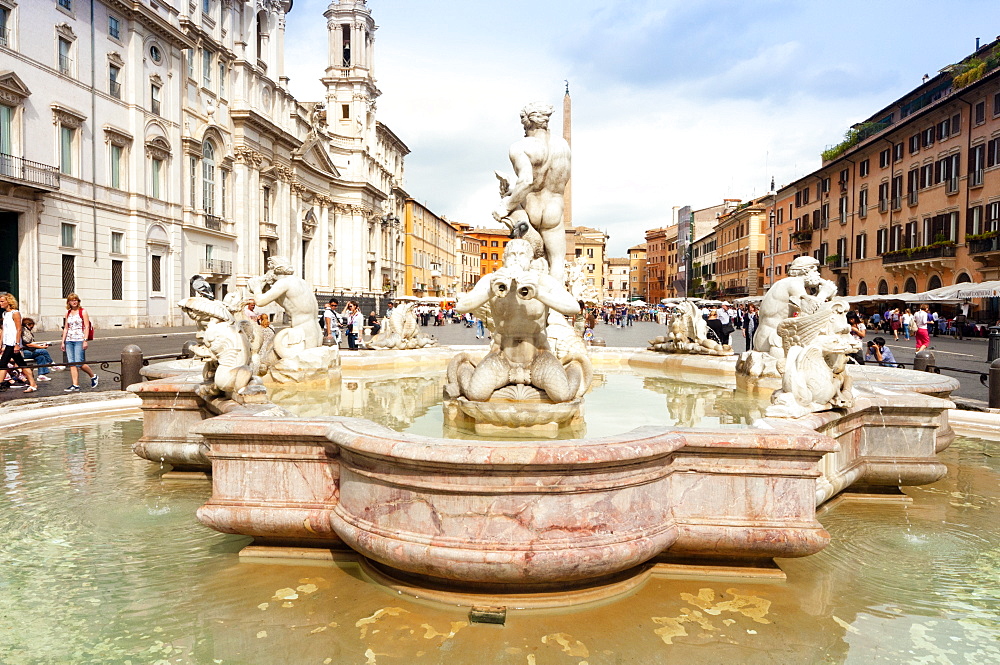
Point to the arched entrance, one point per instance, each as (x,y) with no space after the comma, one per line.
(933,283)
(883,287)
(862,289)
(842,285)
(910,286)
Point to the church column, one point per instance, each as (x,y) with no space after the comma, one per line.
(280,48)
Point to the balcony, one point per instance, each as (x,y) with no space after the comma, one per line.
(976,178)
(65,65)
(20,171)
(911,198)
(802,237)
(838,263)
(269,230)
(985,250)
(213,223)
(929,257)
(951,185)
(217,268)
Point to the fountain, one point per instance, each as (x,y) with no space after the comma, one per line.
(515,511)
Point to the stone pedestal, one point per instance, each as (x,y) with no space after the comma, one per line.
(171,407)
(515,419)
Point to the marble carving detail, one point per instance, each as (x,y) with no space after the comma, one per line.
(525,303)
(299,348)
(804,339)
(688,334)
(400,331)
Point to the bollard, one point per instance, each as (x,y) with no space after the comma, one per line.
(131,365)
(922,360)
(995,384)
(993,350)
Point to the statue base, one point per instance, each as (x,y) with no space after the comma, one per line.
(311,365)
(503,417)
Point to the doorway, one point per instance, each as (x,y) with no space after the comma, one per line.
(8,253)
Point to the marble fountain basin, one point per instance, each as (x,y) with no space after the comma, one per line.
(526,515)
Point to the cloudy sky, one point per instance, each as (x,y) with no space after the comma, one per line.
(675,102)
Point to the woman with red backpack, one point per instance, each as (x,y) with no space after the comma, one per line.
(77,330)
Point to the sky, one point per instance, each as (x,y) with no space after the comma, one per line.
(675,102)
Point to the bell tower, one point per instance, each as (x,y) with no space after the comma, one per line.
(350,75)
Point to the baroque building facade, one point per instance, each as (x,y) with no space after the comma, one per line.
(159,141)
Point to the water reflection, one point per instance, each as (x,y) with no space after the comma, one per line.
(102,562)
(413,403)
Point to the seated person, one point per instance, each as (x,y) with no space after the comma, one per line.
(880,353)
(32,350)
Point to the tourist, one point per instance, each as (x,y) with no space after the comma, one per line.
(880,353)
(32,350)
(267,340)
(895,322)
(876,321)
(373,323)
(906,322)
(250,311)
(726,323)
(858,331)
(751,321)
(714,324)
(355,324)
(77,329)
(11,339)
(960,318)
(923,338)
(331,322)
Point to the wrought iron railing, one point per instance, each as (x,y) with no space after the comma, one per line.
(919,254)
(217,266)
(212,222)
(24,170)
(982,245)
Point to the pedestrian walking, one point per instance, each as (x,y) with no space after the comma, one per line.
(923,338)
(77,329)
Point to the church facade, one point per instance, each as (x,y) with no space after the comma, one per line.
(160,141)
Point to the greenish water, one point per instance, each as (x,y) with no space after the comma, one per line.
(102,562)
(618,403)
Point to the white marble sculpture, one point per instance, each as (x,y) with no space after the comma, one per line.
(816,350)
(225,343)
(401,331)
(802,292)
(299,348)
(688,333)
(519,299)
(541,164)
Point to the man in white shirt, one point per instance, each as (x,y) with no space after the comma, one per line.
(331,322)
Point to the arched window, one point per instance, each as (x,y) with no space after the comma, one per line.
(883,288)
(963,278)
(910,286)
(934,283)
(208,178)
(862,289)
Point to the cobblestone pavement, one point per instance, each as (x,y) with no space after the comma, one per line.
(968,354)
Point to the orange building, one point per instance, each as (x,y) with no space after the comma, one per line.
(637,271)
(491,246)
(910,200)
(740,248)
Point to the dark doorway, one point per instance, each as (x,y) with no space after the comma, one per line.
(8,253)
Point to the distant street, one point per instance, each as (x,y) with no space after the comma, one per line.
(968,354)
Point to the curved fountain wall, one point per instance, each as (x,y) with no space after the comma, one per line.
(532,514)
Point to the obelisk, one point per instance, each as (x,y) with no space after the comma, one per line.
(567,132)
